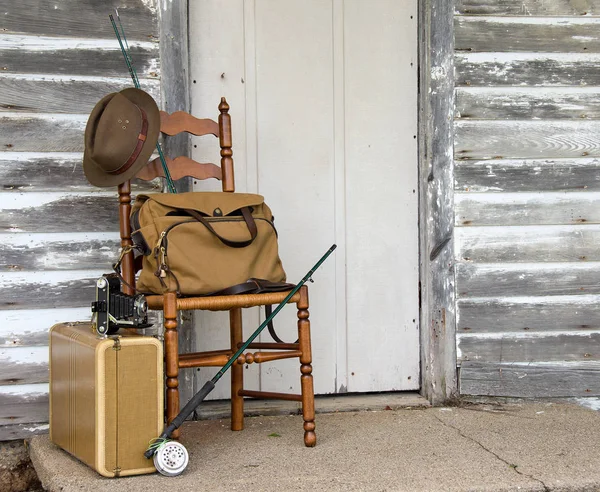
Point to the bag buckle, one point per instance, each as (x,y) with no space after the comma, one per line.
(163,262)
(124,251)
(160,254)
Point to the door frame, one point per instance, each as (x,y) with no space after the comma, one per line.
(439,381)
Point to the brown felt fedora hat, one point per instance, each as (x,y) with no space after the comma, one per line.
(120,136)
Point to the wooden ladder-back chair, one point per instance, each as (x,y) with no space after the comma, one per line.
(171,304)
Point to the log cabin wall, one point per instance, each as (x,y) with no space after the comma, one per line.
(59,233)
(527,189)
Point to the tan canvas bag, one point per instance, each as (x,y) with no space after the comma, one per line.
(198,243)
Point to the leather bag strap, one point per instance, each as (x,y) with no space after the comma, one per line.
(271,328)
(257,286)
(246,214)
(253,286)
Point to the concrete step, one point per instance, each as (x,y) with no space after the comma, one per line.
(523,446)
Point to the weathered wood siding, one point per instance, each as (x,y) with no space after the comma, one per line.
(527,176)
(58,233)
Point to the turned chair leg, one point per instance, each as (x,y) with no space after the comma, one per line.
(171,359)
(237,372)
(306,379)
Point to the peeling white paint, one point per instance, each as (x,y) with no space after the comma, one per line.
(154,68)
(490,170)
(37,428)
(583,300)
(538,20)
(438,73)
(52,78)
(523,198)
(570,268)
(24,355)
(18,201)
(483,189)
(151,5)
(56,260)
(509,58)
(37,239)
(8,279)
(514,91)
(529,335)
(76,120)
(24,389)
(573,364)
(591,403)
(29,321)
(28,156)
(515,163)
(47,43)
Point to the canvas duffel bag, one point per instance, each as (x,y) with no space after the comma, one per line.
(199,243)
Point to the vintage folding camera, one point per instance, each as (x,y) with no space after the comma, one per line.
(113,310)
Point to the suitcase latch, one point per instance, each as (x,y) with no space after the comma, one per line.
(117,344)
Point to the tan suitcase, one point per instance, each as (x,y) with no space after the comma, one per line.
(106,397)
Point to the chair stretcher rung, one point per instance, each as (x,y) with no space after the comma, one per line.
(270,396)
(272,346)
(211,361)
(193,355)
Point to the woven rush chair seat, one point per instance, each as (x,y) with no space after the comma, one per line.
(220,303)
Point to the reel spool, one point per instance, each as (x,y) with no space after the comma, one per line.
(171,458)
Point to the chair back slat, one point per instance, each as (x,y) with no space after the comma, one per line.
(180,167)
(179,121)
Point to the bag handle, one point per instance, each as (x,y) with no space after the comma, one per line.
(233,244)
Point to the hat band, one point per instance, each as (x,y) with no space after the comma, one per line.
(138,148)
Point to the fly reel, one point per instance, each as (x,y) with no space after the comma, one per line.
(171,458)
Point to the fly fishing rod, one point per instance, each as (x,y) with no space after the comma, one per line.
(128,61)
(158,444)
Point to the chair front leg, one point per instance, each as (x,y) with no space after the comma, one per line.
(237,371)
(306,379)
(171,359)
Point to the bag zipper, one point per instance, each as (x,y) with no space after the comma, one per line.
(160,250)
(161,244)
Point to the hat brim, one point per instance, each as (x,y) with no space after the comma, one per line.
(93,172)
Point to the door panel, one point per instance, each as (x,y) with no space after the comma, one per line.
(323,101)
(380,41)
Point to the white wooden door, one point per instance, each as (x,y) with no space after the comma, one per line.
(323,98)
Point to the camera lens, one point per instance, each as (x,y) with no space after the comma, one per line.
(140,306)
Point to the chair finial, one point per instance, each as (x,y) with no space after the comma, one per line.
(223,106)
(228,180)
